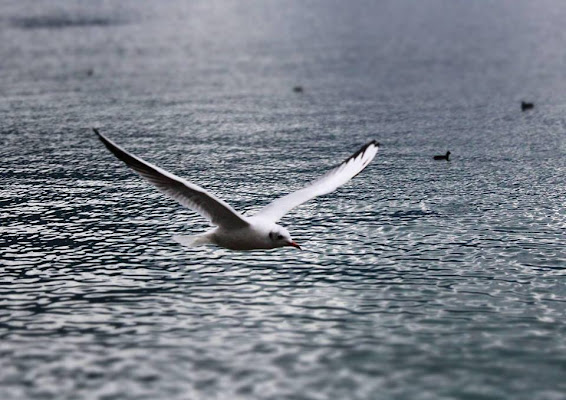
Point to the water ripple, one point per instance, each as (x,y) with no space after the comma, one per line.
(419,279)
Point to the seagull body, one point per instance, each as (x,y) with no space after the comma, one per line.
(233,230)
(258,234)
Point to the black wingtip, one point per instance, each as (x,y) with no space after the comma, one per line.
(114,148)
(364,148)
(98,134)
(104,140)
(370,143)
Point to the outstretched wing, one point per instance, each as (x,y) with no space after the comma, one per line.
(327,183)
(188,194)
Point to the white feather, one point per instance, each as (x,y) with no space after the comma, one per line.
(329,182)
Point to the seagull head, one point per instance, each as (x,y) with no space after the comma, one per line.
(280,237)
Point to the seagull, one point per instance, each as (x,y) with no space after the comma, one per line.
(233,230)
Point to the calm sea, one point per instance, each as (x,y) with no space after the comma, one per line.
(419,280)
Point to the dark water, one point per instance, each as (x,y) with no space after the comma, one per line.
(420,279)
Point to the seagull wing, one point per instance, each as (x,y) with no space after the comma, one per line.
(188,194)
(327,183)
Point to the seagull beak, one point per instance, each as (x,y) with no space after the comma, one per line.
(294,244)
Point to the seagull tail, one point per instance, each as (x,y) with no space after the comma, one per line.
(192,241)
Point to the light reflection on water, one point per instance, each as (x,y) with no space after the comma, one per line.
(418,280)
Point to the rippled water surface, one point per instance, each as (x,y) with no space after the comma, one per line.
(419,279)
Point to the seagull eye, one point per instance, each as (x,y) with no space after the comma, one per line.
(279,237)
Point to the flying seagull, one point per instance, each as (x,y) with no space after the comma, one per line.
(233,230)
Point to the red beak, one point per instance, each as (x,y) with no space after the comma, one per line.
(295,245)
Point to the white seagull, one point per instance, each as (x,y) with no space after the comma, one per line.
(233,230)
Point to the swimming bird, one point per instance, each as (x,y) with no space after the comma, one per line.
(234,230)
(444,157)
(526,106)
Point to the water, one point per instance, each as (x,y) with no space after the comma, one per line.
(420,279)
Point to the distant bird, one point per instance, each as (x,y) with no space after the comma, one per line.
(235,231)
(526,106)
(298,89)
(90,72)
(444,157)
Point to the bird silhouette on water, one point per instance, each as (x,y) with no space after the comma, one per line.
(526,106)
(443,157)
